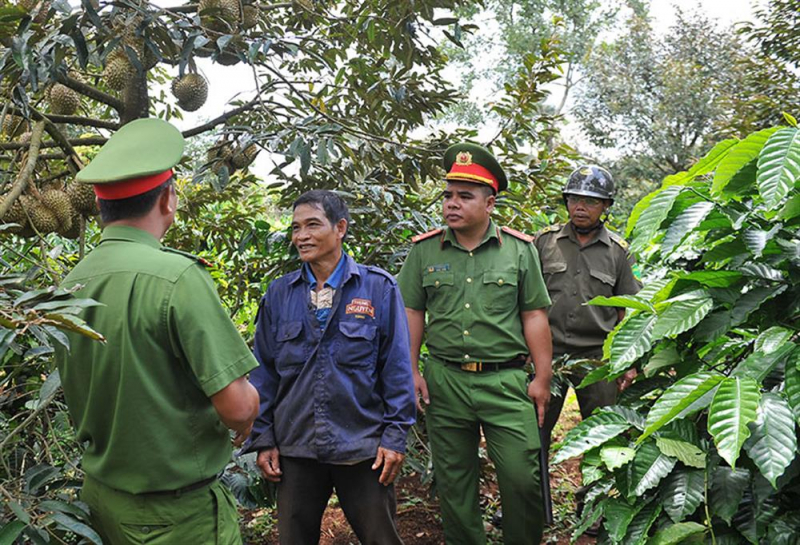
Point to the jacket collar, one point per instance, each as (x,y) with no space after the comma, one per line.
(350,268)
(129,234)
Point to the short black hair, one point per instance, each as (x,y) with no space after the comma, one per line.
(329,202)
(132,207)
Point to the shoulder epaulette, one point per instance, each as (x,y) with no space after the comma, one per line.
(196,258)
(378,270)
(551,228)
(618,239)
(516,234)
(425,236)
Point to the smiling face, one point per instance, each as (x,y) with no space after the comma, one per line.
(316,239)
(585,212)
(467,206)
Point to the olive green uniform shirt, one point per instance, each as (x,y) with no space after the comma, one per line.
(140,401)
(576,274)
(474,298)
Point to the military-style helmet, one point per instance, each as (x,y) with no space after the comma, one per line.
(590,181)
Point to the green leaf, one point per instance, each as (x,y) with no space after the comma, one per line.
(592,432)
(50,387)
(738,157)
(619,515)
(622,301)
(615,457)
(641,524)
(649,222)
(713,326)
(773,444)
(631,340)
(789,118)
(687,453)
(648,468)
(678,397)
(759,270)
(595,375)
(68,523)
(733,408)
(590,467)
(792,384)
(713,279)
(751,300)
(682,315)
(758,365)
(677,533)
(779,165)
(667,357)
(714,157)
(73,323)
(682,493)
(11,531)
(684,224)
(791,209)
(772,339)
(727,489)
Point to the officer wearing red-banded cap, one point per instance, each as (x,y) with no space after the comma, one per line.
(154,404)
(482,290)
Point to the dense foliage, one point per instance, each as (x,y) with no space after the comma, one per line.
(704,445)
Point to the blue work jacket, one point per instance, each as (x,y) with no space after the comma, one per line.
(333,394)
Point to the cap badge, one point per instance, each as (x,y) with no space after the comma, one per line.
(464,158)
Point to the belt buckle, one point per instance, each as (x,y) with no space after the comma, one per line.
(472,367)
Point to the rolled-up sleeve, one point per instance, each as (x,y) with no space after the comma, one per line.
(395,372)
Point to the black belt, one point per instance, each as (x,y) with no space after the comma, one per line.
(484,366)
(183,490)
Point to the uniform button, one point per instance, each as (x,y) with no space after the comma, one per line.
(578,271)
(575,292)
(466,356)
(145,529)
(466,332)
(500,281)
(436,283)
(466,305)
(569,334)
(470,254)
(469,280)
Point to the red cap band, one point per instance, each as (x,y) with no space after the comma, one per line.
(472,173)
(131,187)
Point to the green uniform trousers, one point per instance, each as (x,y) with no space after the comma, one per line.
(461,404)
(204,516)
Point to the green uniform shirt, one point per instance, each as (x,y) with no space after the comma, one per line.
(474,298)
(576,274)
(141,401)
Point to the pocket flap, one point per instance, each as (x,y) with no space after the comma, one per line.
(603,277)
(501,278)
(553,267)
(289,330)
(356,330)
(437,279)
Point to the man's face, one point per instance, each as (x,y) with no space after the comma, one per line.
(466,205)
(585,212)
(314,236)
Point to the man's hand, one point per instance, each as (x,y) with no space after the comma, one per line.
(268,461)
(539,392)
(626,380)
(421,391)
(242,435)
(391,461)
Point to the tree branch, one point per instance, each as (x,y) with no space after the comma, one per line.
(89,141)
(219,120)
(26,173)
(84,121)
(91,92)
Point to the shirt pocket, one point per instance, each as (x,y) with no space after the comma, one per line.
(290,348)
(499,289)
(439,290)
(357,344)
(553,273)
(602,282)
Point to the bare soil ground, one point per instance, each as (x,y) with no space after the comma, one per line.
(418,517)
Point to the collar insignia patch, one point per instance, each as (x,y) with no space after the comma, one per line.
(360,306)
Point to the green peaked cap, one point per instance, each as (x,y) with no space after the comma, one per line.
(457,159)
(143,147)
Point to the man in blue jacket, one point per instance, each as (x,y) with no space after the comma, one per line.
(337,395)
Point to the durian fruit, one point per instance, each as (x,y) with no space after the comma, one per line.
(222,15)
(15,214)
(63,100)
(13,126)
(74,230)
(42,218)
(251,15)
(191,90)
(227,58)
(83,199)
(26,137)
(243,157)
(59,204)
(118,71)
(219,155)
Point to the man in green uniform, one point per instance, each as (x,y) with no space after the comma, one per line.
(581,260)
(482,289)
(153,404)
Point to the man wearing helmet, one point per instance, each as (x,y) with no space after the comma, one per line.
(581,260)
